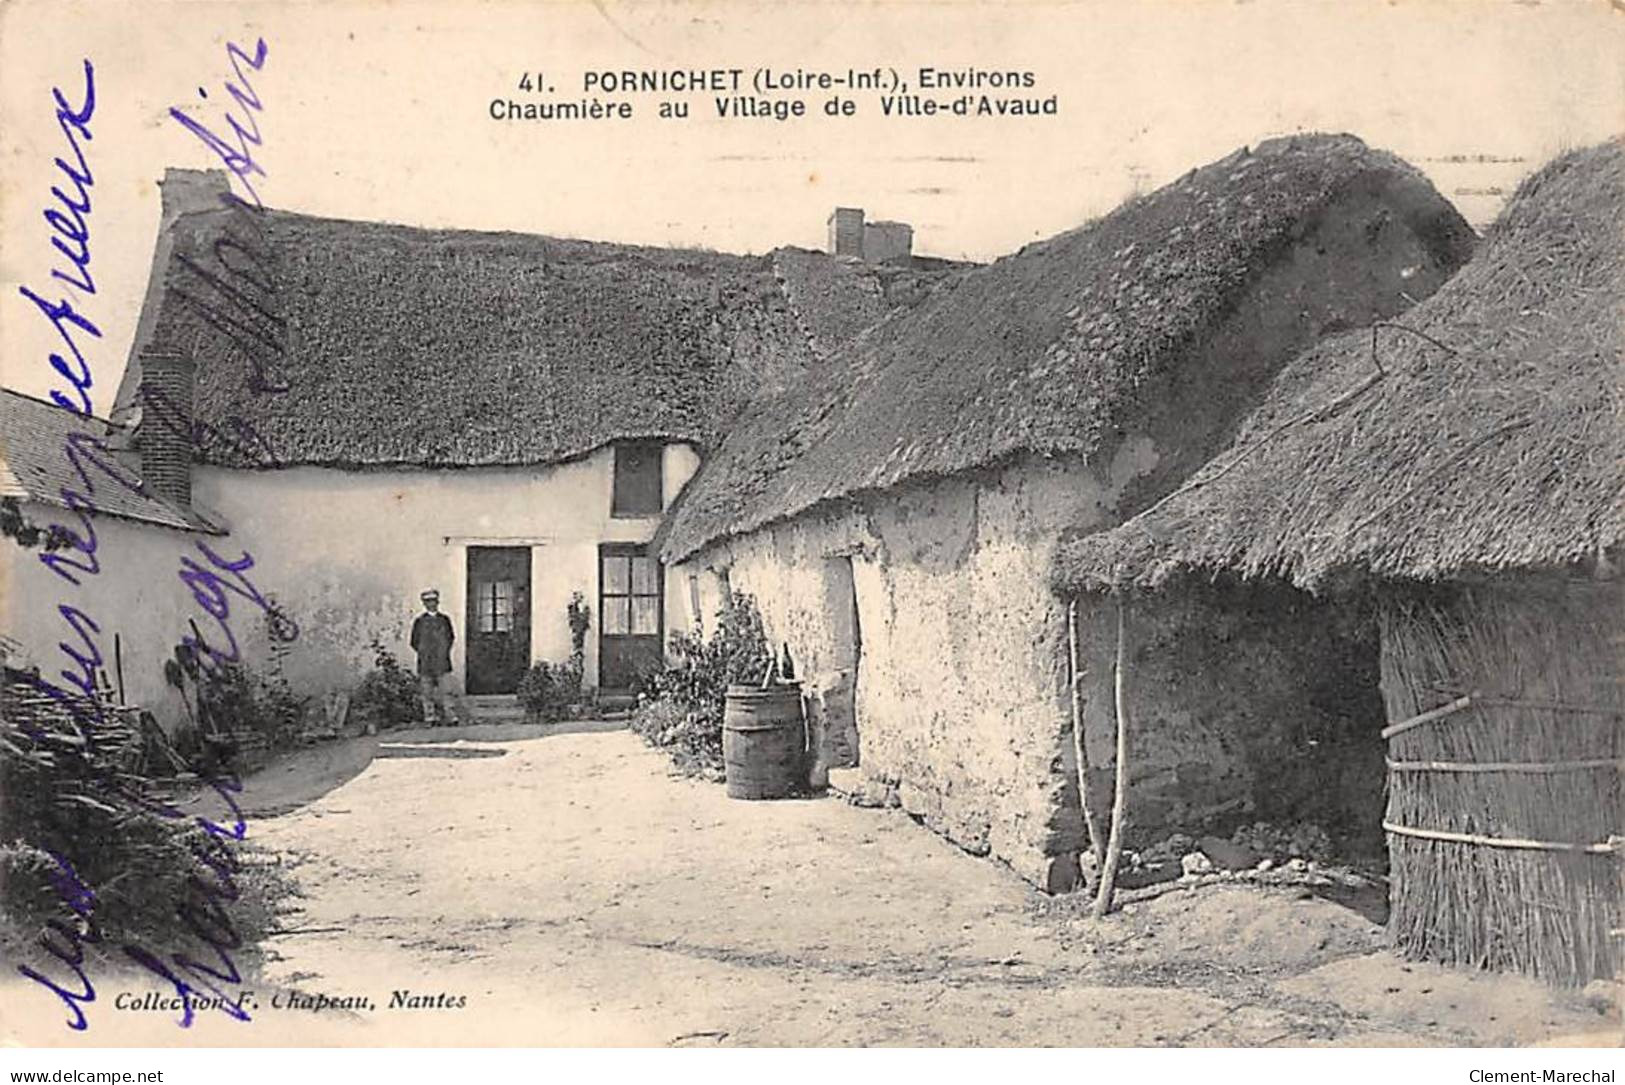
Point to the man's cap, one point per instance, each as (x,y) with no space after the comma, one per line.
(429,593)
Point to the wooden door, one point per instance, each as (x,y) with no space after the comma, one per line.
(498,625)
(631,617)
(840,698)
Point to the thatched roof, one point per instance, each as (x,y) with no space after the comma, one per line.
(1044,352)
(35,466)
(407,346)
(1492,438)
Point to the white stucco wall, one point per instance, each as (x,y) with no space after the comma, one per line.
(137,597)
(346,553)
(961,703)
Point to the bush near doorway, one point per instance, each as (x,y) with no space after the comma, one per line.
(681,707)
(549,692)
(388,695)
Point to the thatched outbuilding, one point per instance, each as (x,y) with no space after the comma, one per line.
(895,512)
(1462,474)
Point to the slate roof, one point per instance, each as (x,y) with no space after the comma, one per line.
(34,466)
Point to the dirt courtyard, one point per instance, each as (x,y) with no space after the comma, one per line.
(570,890)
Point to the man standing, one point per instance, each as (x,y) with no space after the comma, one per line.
(432,640)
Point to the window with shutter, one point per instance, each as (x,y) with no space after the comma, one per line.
(638,481)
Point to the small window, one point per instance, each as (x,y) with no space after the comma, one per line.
(694,602)
(638,481)
(630,594)
(494,612)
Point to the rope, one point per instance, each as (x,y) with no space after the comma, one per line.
(1609,846)
(1449,462)
(1506,766)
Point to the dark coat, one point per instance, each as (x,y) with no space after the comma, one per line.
(432,639)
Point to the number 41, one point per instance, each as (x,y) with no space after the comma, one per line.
(526,84)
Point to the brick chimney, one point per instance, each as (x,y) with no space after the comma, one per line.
(871,242)
(887,242)
(846,232)
(168,379)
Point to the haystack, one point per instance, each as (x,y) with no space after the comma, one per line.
(1469,463)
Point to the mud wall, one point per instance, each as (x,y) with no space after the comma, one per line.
(960,703)
(1245,703)
(956,675)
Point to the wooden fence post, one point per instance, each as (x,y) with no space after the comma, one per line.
(1114,845)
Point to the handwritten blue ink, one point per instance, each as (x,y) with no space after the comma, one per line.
(75,123)
(213,582)
(238,159)
(82,901)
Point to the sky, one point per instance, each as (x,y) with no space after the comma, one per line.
(379,111)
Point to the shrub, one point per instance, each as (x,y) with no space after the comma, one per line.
(69,789)
(579,615)
(139,869)
(685,734)
(683,704)
(229,700)
(388,695)
(547,690)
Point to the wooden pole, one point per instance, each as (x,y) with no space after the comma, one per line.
(118,666)
(1079,747)
(1114,845)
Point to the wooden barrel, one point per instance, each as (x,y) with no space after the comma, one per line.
(764,742)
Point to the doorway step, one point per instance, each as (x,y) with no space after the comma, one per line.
(615,703)
(496,708)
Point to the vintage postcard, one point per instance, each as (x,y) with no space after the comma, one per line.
(739,524)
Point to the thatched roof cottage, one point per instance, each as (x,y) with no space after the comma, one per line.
(381,409)
(895,512)
(1464,475)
